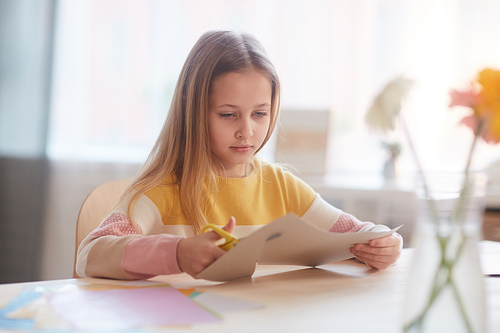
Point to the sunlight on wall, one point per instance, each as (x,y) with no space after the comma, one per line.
(116,65)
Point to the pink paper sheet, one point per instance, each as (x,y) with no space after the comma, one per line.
(127,308)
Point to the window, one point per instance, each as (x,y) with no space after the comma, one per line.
(116,65)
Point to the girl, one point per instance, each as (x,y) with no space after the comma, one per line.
(203,169)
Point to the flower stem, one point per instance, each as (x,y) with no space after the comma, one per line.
(458,212)
(444,273)
(456,291)
(446,268)
(420,170)
(436,288)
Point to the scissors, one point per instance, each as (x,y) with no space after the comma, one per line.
(231,241)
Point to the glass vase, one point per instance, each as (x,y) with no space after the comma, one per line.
(446,285)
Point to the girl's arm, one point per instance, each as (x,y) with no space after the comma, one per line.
(328,217)
(379,253)
(117,250)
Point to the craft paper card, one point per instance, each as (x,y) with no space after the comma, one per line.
(28,311)
(9,295)
(34,311)
(490,257)
(24,298)
(95,286)
(119,309)
(286,241)
(43,315)
(224,304)
(490,263)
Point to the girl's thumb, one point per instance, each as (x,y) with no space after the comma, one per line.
(229,227)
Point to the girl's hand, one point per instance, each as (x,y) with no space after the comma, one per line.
(195,253)
(380,253)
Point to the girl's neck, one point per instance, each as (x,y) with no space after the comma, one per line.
(239,171)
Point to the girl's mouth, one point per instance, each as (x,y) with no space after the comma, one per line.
(241,149)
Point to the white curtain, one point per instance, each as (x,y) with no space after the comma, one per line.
(116,64)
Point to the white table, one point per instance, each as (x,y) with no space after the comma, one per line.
(340,297)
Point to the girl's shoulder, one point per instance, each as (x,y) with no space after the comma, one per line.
(265,164)
(164,196)
(279,176)
(267,168)
(261,163)
(168,186)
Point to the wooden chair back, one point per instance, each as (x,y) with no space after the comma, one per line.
(98,204)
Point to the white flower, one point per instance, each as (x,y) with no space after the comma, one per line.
(387,105)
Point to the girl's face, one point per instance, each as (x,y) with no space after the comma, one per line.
(238,119)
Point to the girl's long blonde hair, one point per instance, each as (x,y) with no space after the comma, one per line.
(182,149)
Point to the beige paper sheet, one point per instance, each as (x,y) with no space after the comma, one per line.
(286,241)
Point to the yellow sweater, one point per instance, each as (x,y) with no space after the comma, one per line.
(268,193)
(117,250)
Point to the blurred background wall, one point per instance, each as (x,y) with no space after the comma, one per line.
(85,86)
(26,44)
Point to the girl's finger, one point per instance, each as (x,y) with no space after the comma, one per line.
(372,257)
(211,236)
(384,251)
(390,240)
(229,227)
(375,264)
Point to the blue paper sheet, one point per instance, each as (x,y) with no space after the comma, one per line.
(24,298)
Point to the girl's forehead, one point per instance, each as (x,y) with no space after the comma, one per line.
(248,86)
(239,76)
(238,79)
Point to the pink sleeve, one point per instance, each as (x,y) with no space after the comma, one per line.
(117,250)
(116,224)
(148,256)
(348,223)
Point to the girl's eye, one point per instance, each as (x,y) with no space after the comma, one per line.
(227,115)
(260,114)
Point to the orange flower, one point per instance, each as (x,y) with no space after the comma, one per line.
(485,104)
(488,106)
(467,98)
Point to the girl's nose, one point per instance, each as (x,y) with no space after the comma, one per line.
(245,130)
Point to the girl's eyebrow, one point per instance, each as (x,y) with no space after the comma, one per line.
(227,106)
(232,106)
(262,105)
